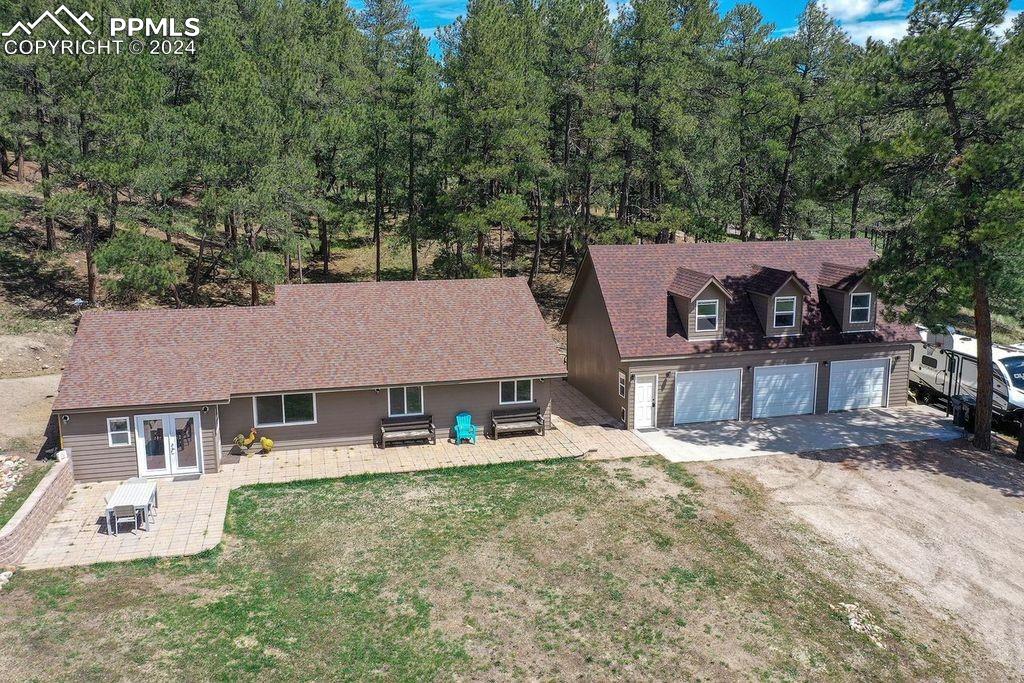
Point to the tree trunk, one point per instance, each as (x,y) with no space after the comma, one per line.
(411,207)
(21,160)
(51,229)
(535,265)
(5,165)
(854,207)
(298,256)
(114,201)
(378,215)
(325,245)
(744,201)
(783,197)
(288,268)
(983,325)
(177,298)
(254,293)
(92,226)
(199,268)
(480,246)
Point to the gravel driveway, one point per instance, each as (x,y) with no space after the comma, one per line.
(945,521)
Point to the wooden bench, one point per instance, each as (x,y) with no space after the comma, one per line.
(524,419)
(407,428)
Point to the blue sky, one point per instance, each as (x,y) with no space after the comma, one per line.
(882,19)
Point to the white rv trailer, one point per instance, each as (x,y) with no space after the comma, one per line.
(946,364)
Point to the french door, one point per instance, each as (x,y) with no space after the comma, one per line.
(168,443)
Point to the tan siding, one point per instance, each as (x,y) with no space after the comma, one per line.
(836,301)
(711,292)
(848,300)
(84,435)
(593,358)
(353,417)
(666,373)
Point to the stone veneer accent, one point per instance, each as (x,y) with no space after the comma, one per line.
(22,531)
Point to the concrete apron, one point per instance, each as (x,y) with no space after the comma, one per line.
(799,433)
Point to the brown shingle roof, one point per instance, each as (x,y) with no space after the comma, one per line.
(839,276)
(767,280)
(688,283)
(633,280)
(315,337)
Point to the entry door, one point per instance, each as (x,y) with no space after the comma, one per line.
(168,443)
(644,401)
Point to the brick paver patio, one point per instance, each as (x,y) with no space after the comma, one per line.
(190,517)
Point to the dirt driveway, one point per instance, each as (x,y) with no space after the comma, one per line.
(943,520)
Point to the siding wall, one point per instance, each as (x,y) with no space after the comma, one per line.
(711,292)
(765,308)
(84,436)
(593,357)
(353,417)
(666,373)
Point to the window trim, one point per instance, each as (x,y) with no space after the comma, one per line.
(516,386)
(861,308)
(255,415)
(405,401)
(776,311)
(698,316)
(127,430)
(622,384)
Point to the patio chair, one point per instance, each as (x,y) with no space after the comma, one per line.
(125,513)
(464,428)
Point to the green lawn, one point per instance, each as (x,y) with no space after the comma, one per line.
(561,570)
(22,490)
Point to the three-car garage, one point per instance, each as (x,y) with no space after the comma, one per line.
(778,390)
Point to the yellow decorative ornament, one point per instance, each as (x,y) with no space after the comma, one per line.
(267,444)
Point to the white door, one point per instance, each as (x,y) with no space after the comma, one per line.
(706,395)
(857,384)
(784,390)
(645,401)
(168,443)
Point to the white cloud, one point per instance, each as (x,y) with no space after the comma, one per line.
(890,29)
(851,10)
(880,29)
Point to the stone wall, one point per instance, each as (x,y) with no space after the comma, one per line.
(21,532)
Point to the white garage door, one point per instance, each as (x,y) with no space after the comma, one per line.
(857,384)
(784,390)
(706,395)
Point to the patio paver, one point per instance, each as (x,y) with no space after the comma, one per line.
(190,518)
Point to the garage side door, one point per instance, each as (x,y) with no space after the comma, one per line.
(784,390)
(857,384)
(706,395)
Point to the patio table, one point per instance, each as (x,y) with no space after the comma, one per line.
(140,494)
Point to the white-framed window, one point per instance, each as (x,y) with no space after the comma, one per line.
(860,307)
(622,385)
(119,432)
(515,391)
(276,410)
(405,401)
(785,311)
(707,315)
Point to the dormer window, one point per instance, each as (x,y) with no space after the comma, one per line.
(707,315)
(785,311)
(860,307)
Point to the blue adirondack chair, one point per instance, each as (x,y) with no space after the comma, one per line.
(464,428)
